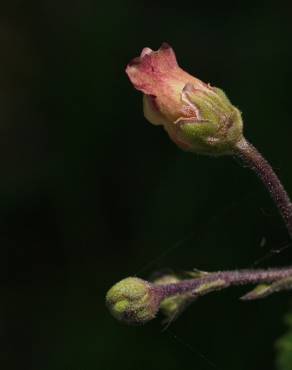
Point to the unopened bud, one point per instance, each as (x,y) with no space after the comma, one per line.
(133,301)
(198,117)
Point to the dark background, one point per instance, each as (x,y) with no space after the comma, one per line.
(91,193)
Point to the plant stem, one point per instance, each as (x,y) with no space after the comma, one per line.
(255,161)
(223,279)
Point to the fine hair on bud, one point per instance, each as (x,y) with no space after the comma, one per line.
(133,301)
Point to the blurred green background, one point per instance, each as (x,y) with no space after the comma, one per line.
(91,193)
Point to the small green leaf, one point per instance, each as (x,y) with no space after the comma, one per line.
(284,347)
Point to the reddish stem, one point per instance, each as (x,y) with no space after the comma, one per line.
(255,161)
(226,278)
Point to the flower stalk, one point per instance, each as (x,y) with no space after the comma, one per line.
(224,279)
(198,118)
(136,301)
(256,162)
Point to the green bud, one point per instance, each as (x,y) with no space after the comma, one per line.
(218,126)
(264,290)
(210,287)
(258,292)
(133,301)
(196,274)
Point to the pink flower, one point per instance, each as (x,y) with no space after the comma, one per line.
(197,117)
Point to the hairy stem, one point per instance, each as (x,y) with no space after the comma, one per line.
(223,279)
(255,161)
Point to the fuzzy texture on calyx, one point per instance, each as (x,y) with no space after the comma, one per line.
(133,301)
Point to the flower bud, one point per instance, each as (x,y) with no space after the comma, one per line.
(198,117)
(133,301)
